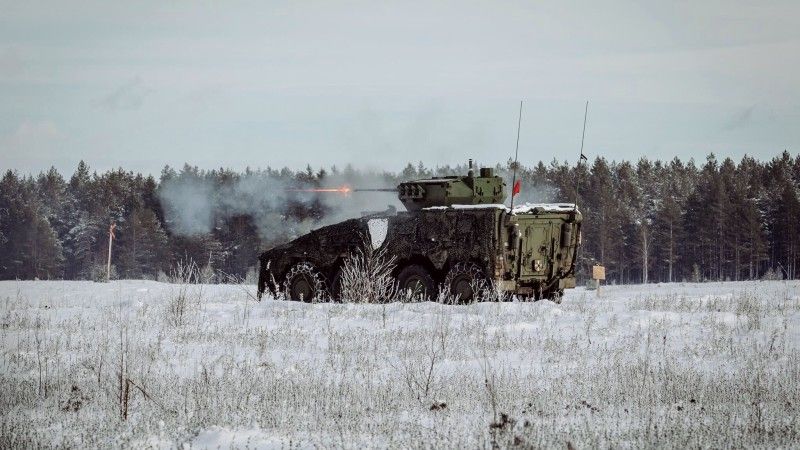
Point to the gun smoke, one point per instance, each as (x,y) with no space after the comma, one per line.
(195,205)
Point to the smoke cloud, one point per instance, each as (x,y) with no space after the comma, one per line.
(279,207)
(187,205)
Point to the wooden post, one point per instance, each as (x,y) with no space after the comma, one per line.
(598,274)
(110,240)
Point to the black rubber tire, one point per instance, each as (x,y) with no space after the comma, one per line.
(304,282)
(466,281)
(418,280)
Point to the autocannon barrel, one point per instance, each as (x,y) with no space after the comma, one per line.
(375,190)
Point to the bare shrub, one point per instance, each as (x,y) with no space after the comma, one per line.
(444,296)
(185,271)
(162,277)
(41,359)
(178,307)
(772,275)
(99,273)
(748,306)
(589,320)
(244,283)
(490,291)
(489,377)
(207,275)
(366,275)
(418,369)
(410,296)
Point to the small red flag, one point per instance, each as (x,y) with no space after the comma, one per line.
(517,188)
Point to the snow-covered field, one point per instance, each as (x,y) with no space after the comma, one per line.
(138,363)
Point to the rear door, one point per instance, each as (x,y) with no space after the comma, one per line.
(535,242)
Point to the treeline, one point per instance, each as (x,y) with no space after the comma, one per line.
(649,221)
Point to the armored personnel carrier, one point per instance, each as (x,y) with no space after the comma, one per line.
(456,233)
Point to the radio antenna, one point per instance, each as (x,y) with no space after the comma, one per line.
(516,157)
(582,157)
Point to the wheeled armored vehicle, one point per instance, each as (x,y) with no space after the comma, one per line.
(457,234)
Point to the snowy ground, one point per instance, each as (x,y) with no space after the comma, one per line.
(677,365)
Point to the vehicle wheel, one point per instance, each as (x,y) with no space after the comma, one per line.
(304,282)
(466,281)
(416,281)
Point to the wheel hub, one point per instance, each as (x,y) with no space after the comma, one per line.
(462,288)
(302,289)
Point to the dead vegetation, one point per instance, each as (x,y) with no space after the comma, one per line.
(366,275)
(638,368)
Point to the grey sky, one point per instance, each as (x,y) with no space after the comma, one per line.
(375,84)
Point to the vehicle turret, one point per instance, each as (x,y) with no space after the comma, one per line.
(486,188)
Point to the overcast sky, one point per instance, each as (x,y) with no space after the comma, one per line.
(375,84)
